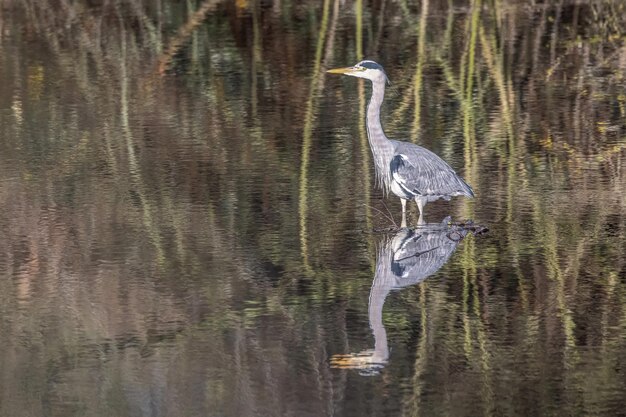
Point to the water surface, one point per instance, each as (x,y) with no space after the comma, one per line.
(188,200)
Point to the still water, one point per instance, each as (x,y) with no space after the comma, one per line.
(189,224)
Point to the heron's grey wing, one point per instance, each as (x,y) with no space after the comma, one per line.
(422,254)
(421,172)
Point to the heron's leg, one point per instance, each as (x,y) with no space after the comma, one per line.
(403,201)
(420,205)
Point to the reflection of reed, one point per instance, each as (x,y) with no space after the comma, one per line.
(364,145)
(316,75)
(543,299)
(468,94)
(419,68)
(185,31)
(133,168)
(317,82)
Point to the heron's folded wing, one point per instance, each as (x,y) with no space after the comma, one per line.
(420,171)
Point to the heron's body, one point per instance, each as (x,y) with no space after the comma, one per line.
(409,171)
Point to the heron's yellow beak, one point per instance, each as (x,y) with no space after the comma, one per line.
(345,70)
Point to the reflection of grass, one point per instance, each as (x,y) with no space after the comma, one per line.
(363,141)
(316,77)
(189,150)
(134,168)
(468,106)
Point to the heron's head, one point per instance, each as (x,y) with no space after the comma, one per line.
(365,69)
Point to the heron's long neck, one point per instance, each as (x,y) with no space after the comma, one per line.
(382,148)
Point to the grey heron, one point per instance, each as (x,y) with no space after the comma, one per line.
(409,171)
(406,258)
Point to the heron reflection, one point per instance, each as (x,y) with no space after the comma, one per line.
(406,258)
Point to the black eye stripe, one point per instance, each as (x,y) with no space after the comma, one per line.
(370,65)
